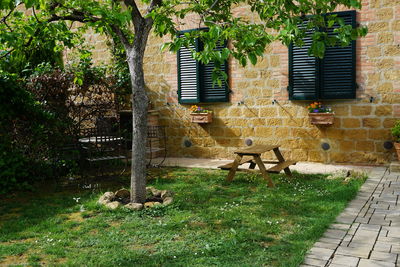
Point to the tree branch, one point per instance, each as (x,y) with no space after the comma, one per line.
(34,14)
(81,17)
(4,19)
(75,16)
(136,15)
(117,30)
(6,54)
(153,5)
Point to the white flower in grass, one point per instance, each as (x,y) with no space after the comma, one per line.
(76,199)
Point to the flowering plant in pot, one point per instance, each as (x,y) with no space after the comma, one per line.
(200,115)
(320,114)
(396,134)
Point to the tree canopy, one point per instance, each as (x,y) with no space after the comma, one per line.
(47,24)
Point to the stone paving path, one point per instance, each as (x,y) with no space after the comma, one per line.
(367,233)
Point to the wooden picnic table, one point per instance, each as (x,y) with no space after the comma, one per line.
(255,152)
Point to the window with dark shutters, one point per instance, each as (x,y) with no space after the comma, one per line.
(332,77)
(195,84)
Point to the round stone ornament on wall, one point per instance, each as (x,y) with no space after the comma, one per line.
(388,145)
(186,142)
(248,142)
(325,146)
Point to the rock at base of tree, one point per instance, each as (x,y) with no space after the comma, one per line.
(153,191)
(149,204)
(113,205)
(123,195)
(168,200)
(107,197)
(165,194)
(134,206)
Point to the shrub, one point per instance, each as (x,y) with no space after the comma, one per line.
(24,135)
(396,131)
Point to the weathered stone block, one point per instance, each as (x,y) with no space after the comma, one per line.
(335,133)
(274,122)
(235,112)
(223,141)
(371,122)
(385,14)
(385,38)
(351,123)
(365,146)
(379,134)
(268,112)
(393,75)
(339,157)
(384,110)
(396,25)
(391,98)
(315,156)
(385,63)
(374,51)
(232,132)
(347,146)
(299,155)
(386,87)
(361,110)
(341,111)
(264,131)
(356,134)
(246,132)
(217,131)
(378,27)
(274,61)
(391,50)
(389,123)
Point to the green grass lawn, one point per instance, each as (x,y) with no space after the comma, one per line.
(211,223)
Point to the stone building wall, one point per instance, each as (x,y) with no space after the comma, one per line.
(259,108)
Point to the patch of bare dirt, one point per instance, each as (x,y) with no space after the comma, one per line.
(17,241)
(14,260)
(75,217)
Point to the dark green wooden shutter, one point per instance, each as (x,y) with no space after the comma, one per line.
(213,92)
(338,77)
(188,76)
(303,78)
(333,77)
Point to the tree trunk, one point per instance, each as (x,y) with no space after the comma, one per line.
(135,57)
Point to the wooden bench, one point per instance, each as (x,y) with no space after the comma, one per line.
(255,152)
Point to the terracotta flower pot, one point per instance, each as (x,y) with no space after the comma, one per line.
(397,147)
(201,117)
(321,118)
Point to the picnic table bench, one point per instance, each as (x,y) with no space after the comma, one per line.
(255,152)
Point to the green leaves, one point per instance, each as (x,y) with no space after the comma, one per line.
(277,20)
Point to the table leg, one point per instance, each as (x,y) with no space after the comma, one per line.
(252,165)
(233,170)
(263,170)
(281,159)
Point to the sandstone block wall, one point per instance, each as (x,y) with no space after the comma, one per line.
(259,108)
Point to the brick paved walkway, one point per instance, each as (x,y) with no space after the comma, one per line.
(367,233)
